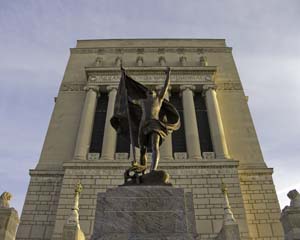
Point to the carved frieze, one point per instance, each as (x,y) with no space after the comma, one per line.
(152,77)
(229,86)
(72,87)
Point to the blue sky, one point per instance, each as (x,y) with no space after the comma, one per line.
(35,37)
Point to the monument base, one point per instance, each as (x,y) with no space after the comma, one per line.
(144,212)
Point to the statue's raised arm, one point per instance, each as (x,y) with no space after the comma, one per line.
(164,90)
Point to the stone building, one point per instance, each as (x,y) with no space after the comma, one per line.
(216,142)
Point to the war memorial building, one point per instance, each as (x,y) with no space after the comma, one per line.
(216,143)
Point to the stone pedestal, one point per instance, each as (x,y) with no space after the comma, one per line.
(290,217)
(144,212)
(9,221)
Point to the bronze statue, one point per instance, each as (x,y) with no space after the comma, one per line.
(146,117)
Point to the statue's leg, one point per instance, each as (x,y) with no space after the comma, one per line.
(155,150)
(143,157)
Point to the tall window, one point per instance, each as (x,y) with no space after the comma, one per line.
(99,124)
(202,122)
(123,145)
(178,137)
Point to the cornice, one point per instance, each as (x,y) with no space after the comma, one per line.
(46,173)
(188,164)
(157,50)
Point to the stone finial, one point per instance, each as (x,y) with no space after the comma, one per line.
(203,61)
(139,61)
(228,215)
(74,216)
(4,199)
(294,196)
(71,230)
(230,229)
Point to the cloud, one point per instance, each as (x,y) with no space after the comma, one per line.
(35,37)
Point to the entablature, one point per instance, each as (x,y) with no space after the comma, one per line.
(152,76)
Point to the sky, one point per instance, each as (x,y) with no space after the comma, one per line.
(35,37)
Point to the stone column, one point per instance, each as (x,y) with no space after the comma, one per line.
(110,135)
(190,122)
(166,150)
(215,122)
(86,123)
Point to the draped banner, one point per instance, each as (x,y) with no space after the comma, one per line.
(126,110)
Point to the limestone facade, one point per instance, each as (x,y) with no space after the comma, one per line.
(202,69)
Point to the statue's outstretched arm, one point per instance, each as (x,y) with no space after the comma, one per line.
(164,90)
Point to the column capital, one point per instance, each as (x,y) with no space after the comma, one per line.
(111,88)
(185,87)
(91,87)
(207,87)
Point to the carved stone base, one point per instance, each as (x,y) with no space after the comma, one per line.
(229,232)
(144,212)
(8,223)
(290,219)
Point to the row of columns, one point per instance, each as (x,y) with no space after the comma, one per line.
(190,124)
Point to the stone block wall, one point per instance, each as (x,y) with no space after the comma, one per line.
(201,178)
(39,211)
(261,204)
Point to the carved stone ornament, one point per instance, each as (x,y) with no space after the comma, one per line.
(93,156)
(140,61)
(208,87)
(294,196)
(94,88)
(72,87)
(98,61)
(229,86)
(203,61)
(185,87)
(92,78)
(209,155)
(183,61)
(118,61)
(162,61)
(121,156)
(4,199)
(180,155)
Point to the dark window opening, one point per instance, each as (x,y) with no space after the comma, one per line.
(178,137)
(202,123)
(99,124)
(123,145)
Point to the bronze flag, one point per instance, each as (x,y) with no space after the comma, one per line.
(126,111)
